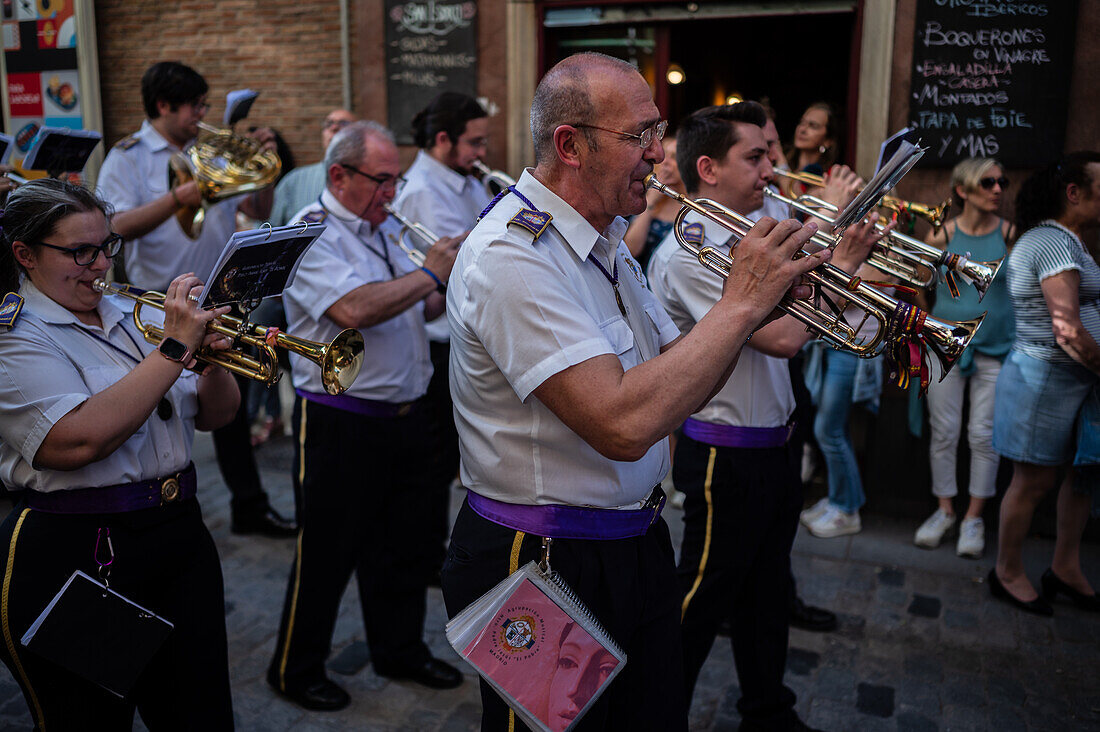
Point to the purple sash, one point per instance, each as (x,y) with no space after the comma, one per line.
(570,522)
(365,407)
(120,498)
(723,435)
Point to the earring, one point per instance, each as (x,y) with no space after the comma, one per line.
(822,149)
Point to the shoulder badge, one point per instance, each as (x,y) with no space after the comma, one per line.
(693,233)
(10,308)
(635,268)
(127,142)
(315,217)
(533,221)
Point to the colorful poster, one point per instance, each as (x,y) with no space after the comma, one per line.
(60,95)
(25,95)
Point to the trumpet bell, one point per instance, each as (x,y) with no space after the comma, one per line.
(341,360)
(948,339)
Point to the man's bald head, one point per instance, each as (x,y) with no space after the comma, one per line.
(565,96)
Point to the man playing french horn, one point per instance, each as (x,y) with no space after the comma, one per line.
(733,460)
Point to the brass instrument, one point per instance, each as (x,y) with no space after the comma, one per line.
(494,181)
(411,228)
(909,259)
(340,360)
(934,216)
(223,164)
(947,339)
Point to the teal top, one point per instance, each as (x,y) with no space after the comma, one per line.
(998,329)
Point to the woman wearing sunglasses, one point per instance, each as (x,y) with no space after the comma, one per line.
(95,444)
(979,233)
(1046,413)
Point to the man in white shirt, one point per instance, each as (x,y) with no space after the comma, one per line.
(134,180)
(441,193)
(568,376)
(362,480)
(732,461)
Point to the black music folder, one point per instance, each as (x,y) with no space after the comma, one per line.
(98,634)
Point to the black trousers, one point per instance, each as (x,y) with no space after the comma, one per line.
(233,450)
(740,517)
(629,584)
(444,437)
(361,491)
(166,561)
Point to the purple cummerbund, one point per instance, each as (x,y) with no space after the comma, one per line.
(724,435)
(121,498)
(570,522)
(365,407)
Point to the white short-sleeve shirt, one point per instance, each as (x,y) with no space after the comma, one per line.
(522,310)
(446,202)
(758,393)
(136,173)
(50,363)
(350,253)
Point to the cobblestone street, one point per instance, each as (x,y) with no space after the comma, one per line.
(922,646)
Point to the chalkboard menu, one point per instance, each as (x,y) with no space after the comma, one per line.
(431,47)
(991,78)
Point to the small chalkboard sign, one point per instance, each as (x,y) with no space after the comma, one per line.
(991,79)
(431,46)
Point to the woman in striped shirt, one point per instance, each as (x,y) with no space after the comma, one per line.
(1051,374)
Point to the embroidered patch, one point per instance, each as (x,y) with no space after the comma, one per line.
(693,233)
(534,221)
(127,142)
(634,269)
(315,217)
(10,307)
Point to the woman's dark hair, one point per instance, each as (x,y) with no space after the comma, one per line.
(172,82)
(1043,194)
(832,125)
(448,112)
(32,212)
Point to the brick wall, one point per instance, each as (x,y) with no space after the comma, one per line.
(289,50)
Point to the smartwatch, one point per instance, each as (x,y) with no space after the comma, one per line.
(173,350)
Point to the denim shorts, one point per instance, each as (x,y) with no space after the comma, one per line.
(1037,409)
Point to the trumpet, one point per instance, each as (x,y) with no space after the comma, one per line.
(896,324)
(933,215)
(412,228)
(494,181)
(339,360)
(899,255)
(223,164)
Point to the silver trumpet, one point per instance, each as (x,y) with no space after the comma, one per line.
(410,228)
(494,181)
(896,324)
(898,255)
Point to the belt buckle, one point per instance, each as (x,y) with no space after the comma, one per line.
(169,490)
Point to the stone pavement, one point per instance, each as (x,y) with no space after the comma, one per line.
(921,646)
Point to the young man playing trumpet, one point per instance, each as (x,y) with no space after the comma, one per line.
(733,461)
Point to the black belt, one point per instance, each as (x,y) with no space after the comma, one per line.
(117,498)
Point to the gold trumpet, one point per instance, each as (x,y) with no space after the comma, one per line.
(897,324)
(412,228)
(934,216)
(494,181)
(340,360)
(223,164)
(909,259)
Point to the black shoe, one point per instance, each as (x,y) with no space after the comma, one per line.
(809,617)
(1053,584)
(433,673)
(320,696)
(269,524)
(1038,606)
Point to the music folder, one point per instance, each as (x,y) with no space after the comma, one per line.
(97,634)
(59,150)
(904,158)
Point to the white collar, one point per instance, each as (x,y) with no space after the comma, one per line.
(448,176)
(153,139)
(49,311)
(578,234)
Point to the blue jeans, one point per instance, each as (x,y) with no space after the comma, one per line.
(831,431)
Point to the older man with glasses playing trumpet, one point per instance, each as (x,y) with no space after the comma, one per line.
(362,478)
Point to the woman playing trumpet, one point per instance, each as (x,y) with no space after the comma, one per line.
(95,442)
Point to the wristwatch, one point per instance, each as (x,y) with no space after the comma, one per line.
(173,350)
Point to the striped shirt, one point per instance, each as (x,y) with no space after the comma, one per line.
(1042,252)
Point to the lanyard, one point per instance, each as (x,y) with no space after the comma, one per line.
(384,254)
(164,407)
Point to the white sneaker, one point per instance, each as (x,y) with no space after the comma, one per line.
(813,513)
(834,522)
(932,531)
(971,538)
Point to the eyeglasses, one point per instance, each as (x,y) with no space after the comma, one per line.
(337,124)
(645,139)
(383,181)
(87,254)
(988,183)
(199,105)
